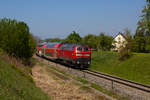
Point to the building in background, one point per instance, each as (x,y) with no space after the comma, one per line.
(119,41)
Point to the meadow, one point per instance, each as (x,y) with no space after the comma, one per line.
(136,68)
(16,85)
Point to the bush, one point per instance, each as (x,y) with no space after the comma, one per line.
(15,39)
(124,53)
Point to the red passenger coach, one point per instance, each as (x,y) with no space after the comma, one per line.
(48,50)
(51,50)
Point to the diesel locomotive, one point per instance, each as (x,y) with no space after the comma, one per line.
(78,55)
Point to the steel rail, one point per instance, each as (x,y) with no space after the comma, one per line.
(129,83)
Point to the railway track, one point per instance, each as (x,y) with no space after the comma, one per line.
(130,89)
(115,79)
(139,86)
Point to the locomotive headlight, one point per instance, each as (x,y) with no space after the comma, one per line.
(88,62)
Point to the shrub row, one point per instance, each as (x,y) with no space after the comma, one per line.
(15,39)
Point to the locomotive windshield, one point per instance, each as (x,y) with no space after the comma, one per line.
(86,49)
(82,49)
(79,49)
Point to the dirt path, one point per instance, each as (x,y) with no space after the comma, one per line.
(59,89)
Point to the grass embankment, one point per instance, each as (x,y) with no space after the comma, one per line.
(136,68)
(15,85)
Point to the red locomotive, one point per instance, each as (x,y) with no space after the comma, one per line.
(74,54)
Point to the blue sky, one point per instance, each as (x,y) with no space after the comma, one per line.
(58,18)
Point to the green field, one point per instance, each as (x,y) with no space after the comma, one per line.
(15,85)
(136,68)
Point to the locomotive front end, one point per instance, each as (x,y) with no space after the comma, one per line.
(83,56)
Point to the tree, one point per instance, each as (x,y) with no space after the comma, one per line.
(91,40)
(126,48)
(55,40)
(15,39)
(105,42)
(127,33)
(74,37)
(102,41)
(142,36)
(139,44)
(129,37)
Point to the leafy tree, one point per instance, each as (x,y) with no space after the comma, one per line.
(139,44)
(105,42)
(74,37)
(47,40)
(52,40)
(91,40)
(15,38)
(55,40)
(127,33)
(129,37)
(125,50)
(102,41)
(142,36)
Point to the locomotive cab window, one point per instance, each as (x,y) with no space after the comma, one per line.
(79,49)
(86,49)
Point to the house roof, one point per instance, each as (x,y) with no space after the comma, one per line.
(121,35)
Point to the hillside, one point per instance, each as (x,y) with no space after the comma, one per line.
(15,85)
(137,68)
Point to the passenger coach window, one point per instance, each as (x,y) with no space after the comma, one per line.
(79,49)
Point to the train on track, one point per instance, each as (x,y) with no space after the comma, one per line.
(78,55)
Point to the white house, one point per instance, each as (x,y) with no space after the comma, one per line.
(119,41)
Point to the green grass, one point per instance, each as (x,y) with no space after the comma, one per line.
(110,93)
(83,81)
(15,85)
(99,88)
(136,68)
(86,85)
